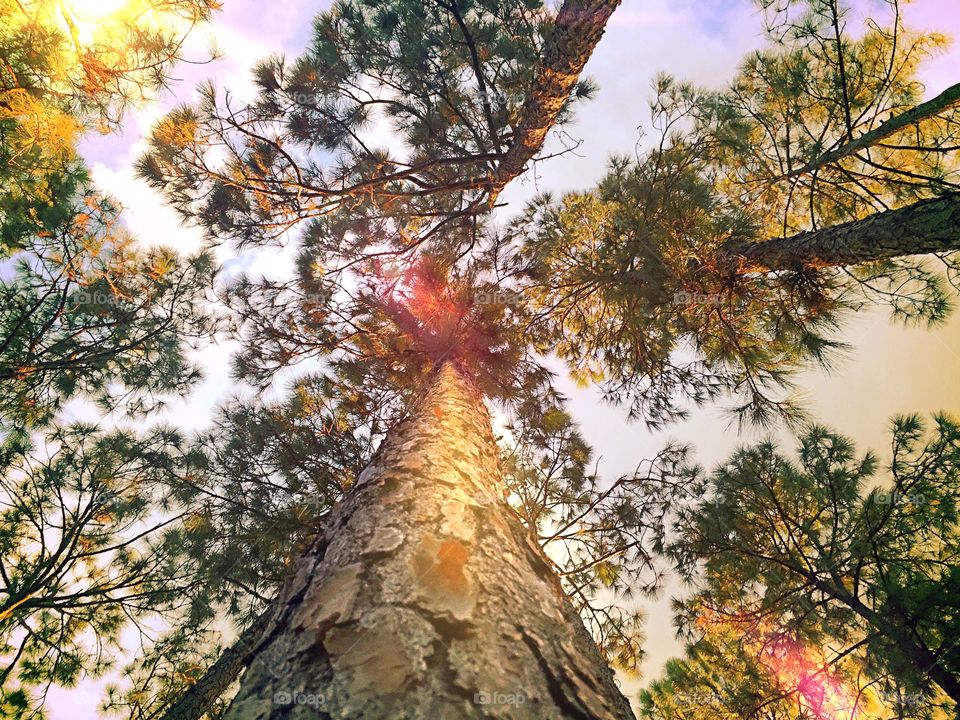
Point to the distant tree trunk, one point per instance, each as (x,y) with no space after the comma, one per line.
(203,694)
(927,226)
(427,598)
(907,641)
(945,101)
(578,28)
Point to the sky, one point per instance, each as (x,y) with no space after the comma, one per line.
(889,370)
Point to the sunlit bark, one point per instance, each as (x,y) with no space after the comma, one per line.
(578,28)
(425,597)
(928,226)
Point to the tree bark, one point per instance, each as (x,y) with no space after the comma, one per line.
(578,28)
(426,598)
(927,226)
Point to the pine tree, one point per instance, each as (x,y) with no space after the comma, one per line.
(599,278)
(597,539)
(85,551)
(84,310)
(470,89)
(824,552)
(725,258)
(61,77)
(88,543)
(424,596)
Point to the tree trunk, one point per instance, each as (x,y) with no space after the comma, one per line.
(203,694)
(426,598)
(578,28)
(927,226)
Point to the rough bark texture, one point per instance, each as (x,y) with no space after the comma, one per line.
(947,100)
(578,28)
(427,598)
(925,227)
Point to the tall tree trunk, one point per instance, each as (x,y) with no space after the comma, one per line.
(578,28)
(927,226)
(426,598)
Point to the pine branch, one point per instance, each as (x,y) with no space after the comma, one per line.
(947,100)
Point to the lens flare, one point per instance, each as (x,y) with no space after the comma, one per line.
(88,18)
(801,670)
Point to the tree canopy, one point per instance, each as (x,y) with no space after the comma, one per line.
(830,579)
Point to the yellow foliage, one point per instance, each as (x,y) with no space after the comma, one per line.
(38,122)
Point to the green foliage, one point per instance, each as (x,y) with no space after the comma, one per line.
(85,312)
(816,86)
(717,678)
(601,534)
(826,552)
(56,82)
(630,283)
(622,287)
(449,77)
(81,310)
(84,551)
(85,546)
(636,283)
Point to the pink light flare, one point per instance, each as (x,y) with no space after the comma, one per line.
(803,673)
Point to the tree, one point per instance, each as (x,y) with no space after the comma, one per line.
(395,611)
(87,312)
(250,174)
(823,551)
(470,89)
(726,257)
(88,542)
(84,311)
(761,676)
(62,74)
(273,475)
(84,550)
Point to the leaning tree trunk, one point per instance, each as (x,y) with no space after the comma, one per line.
(577,30)
(948,100)
(427,598)
(201,696)
(928,226)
